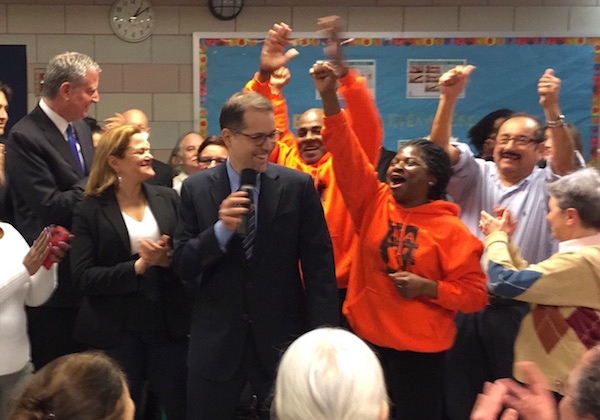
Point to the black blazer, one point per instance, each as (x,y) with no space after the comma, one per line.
(46,183)
(230,293)
(103,268)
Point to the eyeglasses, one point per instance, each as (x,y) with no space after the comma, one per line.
(519,140)
(260,138)
(302,132)
(208,160)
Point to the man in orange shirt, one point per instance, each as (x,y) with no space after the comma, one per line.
(305,151)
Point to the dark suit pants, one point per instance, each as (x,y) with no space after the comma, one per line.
(217,400)
(51,333)
(482,351)
(160,360)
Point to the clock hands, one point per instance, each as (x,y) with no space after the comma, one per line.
(137,12)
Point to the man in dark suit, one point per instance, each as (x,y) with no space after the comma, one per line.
(248,306)
(164,173)
(49,154)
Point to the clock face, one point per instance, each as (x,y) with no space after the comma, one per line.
(132,20)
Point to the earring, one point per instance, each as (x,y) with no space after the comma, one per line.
(119,180)
(431,183)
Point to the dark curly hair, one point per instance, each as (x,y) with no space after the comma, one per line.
(438,164)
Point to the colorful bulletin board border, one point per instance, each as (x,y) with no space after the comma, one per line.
(508,69)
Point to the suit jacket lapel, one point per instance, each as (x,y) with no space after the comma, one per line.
(110,207)
(220,188)
(268,202)
(159,209)
(56,138)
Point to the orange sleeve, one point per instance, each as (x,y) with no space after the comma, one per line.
(464,286)
(255,85)
(354,175)
(364,115)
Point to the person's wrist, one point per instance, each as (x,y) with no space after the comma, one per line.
(264,75)
(140,266)
(557,122)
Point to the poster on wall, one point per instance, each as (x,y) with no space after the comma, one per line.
(403,74)
(422,77)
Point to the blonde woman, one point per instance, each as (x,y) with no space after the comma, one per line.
(134,306)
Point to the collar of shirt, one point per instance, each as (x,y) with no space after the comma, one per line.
(574,244)
(58,121)
(235,179)
(522,184)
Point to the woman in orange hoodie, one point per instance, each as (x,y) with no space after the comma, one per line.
(416,264)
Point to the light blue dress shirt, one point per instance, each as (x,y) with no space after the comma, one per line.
(223,234)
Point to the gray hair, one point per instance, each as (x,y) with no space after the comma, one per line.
(329,373)
(66,67)
(587,388)
(580,190)
(232,113)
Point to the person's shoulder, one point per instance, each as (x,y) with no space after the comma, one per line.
(162,191)
(25,125)
(207,176)
(90,204)
(293,175)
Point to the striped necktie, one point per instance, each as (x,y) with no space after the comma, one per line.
(248,241)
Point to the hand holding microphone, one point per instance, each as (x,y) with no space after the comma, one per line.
(235,207)
(247,182)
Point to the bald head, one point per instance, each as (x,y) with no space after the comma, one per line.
(310,143)
(137,118)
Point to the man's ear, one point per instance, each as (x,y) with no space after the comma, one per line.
(227,135)
(573,217)
(65,90)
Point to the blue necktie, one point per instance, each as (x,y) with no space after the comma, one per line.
(248,241)
(73,144)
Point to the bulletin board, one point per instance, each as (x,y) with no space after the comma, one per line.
(403,71)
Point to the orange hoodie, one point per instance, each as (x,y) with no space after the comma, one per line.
(360,102)
(427,240)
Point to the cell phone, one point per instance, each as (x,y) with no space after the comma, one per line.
(58,234)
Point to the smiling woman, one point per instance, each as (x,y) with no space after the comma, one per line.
(407,280)
(134,305)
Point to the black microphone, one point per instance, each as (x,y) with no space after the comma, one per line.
(248,179)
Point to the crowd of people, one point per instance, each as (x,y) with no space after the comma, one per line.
(134,288)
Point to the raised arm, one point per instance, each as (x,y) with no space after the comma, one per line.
(273,54)
(452,83)
(270,79)
(563,145)
(360,103)
(354,175)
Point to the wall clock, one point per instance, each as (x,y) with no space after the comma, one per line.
(225,9)
(132,20)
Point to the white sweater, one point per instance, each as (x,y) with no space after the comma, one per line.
(18,289)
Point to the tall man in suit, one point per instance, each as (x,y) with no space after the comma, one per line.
(48,156)
(248,306)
